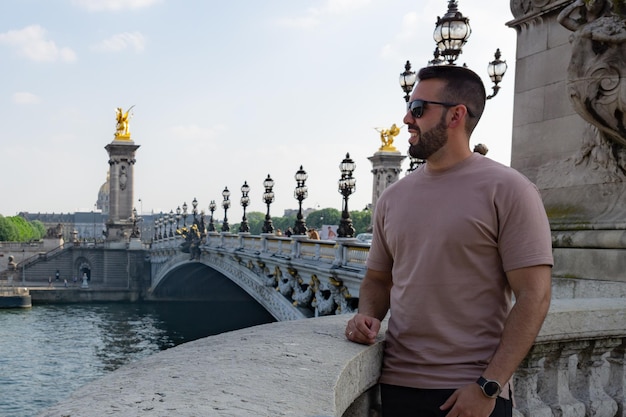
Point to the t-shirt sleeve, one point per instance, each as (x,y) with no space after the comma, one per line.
(524,231)
(379,257)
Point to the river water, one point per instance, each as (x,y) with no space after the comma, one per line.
(49,351)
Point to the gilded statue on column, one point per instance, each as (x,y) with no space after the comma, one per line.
(387,136)
(122,131)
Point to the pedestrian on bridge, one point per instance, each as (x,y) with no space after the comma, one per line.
(452,242)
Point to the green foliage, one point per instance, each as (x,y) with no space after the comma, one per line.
(18,229)
(324,216)
(8,232)
(40,229)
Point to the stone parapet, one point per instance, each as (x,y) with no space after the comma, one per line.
(308,368)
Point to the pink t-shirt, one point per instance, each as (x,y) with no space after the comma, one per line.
(448,238)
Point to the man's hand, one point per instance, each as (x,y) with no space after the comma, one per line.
(469,401)
(362,329)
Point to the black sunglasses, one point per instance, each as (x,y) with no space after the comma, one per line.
(416,107)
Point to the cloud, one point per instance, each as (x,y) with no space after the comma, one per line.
(313,16)
(114,5)
(32,43)
(23,97)
(135,41)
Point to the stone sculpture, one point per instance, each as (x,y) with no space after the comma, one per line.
(122,131)
(595,79)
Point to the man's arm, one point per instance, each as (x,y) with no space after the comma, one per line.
(373,306)
(532,289)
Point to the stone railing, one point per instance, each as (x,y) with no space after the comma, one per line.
(340,252)
(576,367)
(308,368)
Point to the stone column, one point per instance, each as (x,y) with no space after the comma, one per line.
(121,191)
(568,134)
(386,168)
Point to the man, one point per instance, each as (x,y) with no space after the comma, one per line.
(451,242)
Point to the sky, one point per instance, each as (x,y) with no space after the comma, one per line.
(223,92)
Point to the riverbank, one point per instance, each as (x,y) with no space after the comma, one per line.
(45,293)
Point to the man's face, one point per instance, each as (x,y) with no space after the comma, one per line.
(430,141)
(428,132)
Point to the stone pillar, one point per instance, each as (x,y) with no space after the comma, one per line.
(386,168)
(569,70)
(121,192)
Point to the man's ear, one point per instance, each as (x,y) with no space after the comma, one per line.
(459,113)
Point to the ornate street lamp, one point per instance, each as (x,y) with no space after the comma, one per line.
(185,214)
(178,211)
(407,81)
(194,203)
(300,193)
(268,198)
(226,205)
(212,207)
(451,32)
(172,218)
(347,186)
(156,229)
(245,200)
(161,225)
(496,70)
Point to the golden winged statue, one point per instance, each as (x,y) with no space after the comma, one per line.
(386,137)
(121,128)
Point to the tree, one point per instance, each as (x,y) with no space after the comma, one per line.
(40,229)
(318,218)
(8,231)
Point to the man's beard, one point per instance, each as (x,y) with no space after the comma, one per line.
(431,141)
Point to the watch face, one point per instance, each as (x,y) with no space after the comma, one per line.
(492,388)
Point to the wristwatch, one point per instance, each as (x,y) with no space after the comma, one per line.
(490,388)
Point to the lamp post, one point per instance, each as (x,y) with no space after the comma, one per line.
(226,205)
(172,219)
(268,198)
(194,203)
(347,186)
(244,227)
(178,211)
(451,33)
(407,81)
(212,207)
(496,70)
(185,214)
(300,193)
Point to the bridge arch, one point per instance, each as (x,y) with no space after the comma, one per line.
(215,277)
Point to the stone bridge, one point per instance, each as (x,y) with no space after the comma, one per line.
(292,278)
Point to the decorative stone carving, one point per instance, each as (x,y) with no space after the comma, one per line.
(595,73)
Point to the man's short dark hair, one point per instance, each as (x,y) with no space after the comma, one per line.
(463,86)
